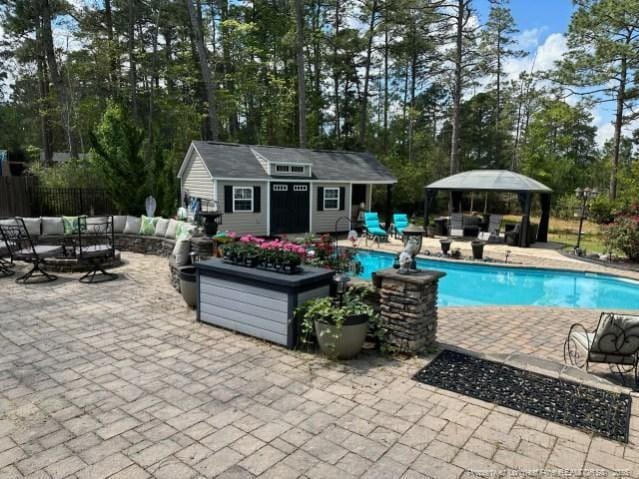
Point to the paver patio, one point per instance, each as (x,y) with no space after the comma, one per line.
(119,380)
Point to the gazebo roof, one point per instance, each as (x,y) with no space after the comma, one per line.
(489,180)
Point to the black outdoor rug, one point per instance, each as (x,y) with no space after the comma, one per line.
(576,405)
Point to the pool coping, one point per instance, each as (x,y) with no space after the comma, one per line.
(507,265)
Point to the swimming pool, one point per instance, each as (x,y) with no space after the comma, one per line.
(482,285)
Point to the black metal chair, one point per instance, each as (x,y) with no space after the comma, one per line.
(21,248)
(96,246)
(615,341)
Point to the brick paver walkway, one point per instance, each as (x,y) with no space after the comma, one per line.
(118,380)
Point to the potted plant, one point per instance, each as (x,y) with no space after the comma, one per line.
(340,323)
(445,245)
(478,248)
(289,261)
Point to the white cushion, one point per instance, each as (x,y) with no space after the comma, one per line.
(132,226)
(52,225)
(181,252)
(97,224)
(119,222)
(33,226)
(161,227)
(171,229)
(456,232)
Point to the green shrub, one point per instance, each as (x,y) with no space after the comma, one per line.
(602,209)
(623,235)
(567,206)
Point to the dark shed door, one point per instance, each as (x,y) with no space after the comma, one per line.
(289,208)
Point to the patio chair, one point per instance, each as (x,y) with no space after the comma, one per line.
(373,228)
(492,233)
(615,341)
(21,248)
(400,221)
(456,226)
(96,246)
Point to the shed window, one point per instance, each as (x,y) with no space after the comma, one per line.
(242,198)
(297,169)
(281,168)
(331,198)
(280,187)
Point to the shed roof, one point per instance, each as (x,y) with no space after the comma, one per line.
(489,180)
(230,160)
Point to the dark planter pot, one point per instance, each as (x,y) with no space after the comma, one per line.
(188,285)
(478,249)
(251,261)
(445,245)
(345,343)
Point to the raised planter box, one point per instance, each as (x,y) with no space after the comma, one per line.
(256,302)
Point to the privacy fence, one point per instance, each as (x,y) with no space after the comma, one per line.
(23,196)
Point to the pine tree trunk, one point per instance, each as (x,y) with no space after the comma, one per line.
(133,79)
(621,96)
(43,110)
(498,103)
(113,62)
(301,87)
(457,90)
(196,27)
(386,51)
(56,78)
(336,71)
(363,120)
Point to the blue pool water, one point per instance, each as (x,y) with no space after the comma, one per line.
(483,285)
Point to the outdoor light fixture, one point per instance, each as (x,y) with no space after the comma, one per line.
(341,281)
(584,194)
(414,231)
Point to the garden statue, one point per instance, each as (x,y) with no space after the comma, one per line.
(150,204)
(407,262)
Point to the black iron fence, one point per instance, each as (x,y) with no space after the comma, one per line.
(22,196)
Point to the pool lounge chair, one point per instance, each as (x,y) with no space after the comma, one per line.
(400,221)
(492,234)
(615,341)
(373,228)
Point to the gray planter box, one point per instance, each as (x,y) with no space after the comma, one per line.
(256,302)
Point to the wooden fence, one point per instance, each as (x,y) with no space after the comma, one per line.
(22,196)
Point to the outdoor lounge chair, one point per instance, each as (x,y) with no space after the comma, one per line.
(373,228)
(456,227)
(400,221)
(96,246)
(21,248)
(615,341)
(492,232)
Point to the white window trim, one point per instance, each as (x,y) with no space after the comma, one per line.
(331,199)
(252,199)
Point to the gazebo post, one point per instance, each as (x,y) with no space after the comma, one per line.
(389,208)
(542,235)
(525,226)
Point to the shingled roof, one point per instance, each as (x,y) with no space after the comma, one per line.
(230,160)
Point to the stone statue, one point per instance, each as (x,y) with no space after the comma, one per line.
(407,256)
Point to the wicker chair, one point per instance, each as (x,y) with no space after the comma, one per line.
(615,341)
(21,248)
(96,246)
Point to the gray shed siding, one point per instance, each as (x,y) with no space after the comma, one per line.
(324,221)
(196,178)
(244,222)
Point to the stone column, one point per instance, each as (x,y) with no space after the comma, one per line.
(408,308)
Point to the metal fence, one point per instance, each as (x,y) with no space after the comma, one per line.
(22,196)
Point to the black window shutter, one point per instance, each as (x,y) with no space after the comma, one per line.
(342,194)
(320,198)
(228,199)
(257,199)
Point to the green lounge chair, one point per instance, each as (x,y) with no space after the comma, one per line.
(400,221)
(373,228)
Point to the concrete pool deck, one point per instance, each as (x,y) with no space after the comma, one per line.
(119,380)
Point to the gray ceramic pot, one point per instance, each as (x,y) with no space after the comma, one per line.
(345,343)
(188,285)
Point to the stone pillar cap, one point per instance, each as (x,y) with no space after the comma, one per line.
(422,276)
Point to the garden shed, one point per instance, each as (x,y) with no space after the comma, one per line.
(266,190)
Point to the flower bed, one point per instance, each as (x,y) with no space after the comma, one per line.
(276,255)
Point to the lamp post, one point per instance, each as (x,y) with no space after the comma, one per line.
(584,195)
